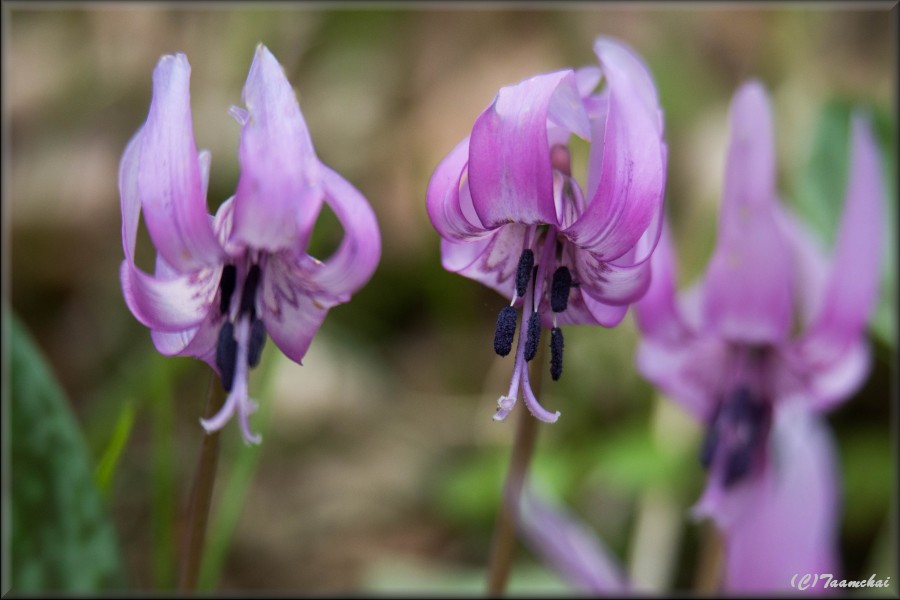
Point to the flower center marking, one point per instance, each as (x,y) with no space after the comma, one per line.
(737,434)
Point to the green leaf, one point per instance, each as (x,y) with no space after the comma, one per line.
(62,539)
(106,467)
(819,194)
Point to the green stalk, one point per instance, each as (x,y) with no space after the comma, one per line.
(201,495)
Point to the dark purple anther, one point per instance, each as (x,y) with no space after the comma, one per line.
(226,355)
(506,329)
(556,353)
(523,272)
(227,283)
(534,336)
(559,289)
(248,295)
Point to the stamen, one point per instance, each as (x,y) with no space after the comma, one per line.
(506,329)
(743,419)
(708,448)
(257,341)
(237,400)
(248,295)
(737,465)
(227,283)
(523,272)
(534,336)
(556,353)
(226,353)
(559,289)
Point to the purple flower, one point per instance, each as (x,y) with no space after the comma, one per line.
(771,337)
(222,283)
(513,217)
(567,545)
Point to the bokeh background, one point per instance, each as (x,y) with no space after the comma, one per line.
(381,469)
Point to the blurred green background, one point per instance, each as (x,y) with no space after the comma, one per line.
(381,468)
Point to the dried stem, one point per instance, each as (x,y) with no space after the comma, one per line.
(503,543)
(201,495)
(707,578)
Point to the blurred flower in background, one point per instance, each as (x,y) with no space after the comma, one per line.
(505,198)
(729,350)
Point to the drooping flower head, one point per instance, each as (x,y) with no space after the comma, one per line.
(512,216)
(771,337)
(222,283)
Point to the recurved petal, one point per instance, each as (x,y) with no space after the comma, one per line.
(688,370)
(747,293)
(168,304)
(809,264)
(448,200)
(170,300)
(569,547)
(852,285)
(199,342)
(788,525)
(292,306)
(585,310)
(656,312)
(609,283)
(510,174)
(627,159)
(354,262)
(162,173)
(278,195)
(491,260)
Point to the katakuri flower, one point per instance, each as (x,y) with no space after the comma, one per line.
(566,544)
(512,216)
(222,283)
(772,337)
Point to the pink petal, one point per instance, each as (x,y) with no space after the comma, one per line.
(686,370)
(293,305)
(449,208)
(199,342)
(510,173)
(627,163)
(172,301)
(609,283)
(809,264)
(491,260)
(165,177)
(354,262)
(788,524)
(568,546)
(748,280)
(278,195)
(852,286)
(656,312)
(167,304)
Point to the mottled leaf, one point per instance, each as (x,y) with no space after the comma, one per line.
(62,539)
